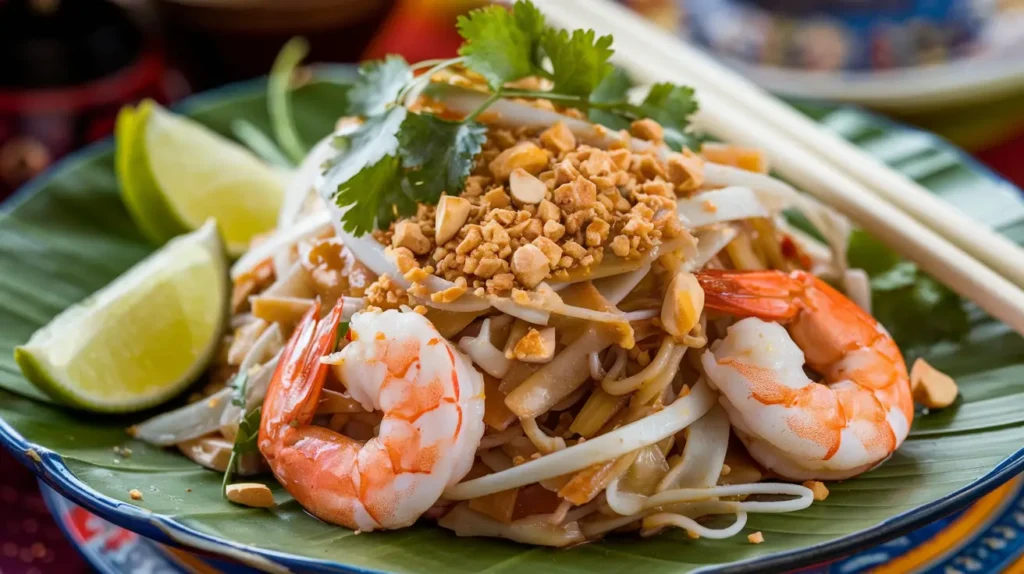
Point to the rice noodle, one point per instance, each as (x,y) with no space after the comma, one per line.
(495,460)
(642,315)
(710,242)
(557,379)
(485,355)
(304,180)
(188,422)
(499,438)
(597,371)
(281,241)
(466,522)
(528,314)
(720,206)
(777,195)
(655,521)
(707,441)
(632,383)
(649,430)
(617,368)
(858,288)
(294,283)
(544,443)
(654,386)
(614,289)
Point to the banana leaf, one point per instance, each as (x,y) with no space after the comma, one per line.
(67,234)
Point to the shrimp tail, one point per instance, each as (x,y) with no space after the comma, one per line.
(295,388)
(768,295)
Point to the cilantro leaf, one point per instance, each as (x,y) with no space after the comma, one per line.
(368,177)
(670,105)
(378,86)
(238,384)
(248,432)
(613,88)
(917,310)
(246,442)
(374,197)
(499,45)
(529,19)
(578,62)
(438,154)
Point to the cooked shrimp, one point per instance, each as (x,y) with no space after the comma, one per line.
(433,406)
(854,419)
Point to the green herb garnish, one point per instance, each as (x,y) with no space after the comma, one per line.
(397,159)
(917,310)
(248,428)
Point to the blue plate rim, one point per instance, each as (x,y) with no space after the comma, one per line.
(51,469)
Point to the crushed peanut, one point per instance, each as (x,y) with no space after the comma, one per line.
(251,494)
(755,538)
(530,265)
(818,488)
(409,235)
(135,494)
(536,346)
(931,387)
(385,294)
(524,155)
(450,216)
(647,129)
(526,188)
(537,206)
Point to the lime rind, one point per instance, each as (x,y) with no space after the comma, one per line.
(52,359)
(140,192)
(176,173)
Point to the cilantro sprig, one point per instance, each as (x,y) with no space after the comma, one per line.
(398,159)
(246,439)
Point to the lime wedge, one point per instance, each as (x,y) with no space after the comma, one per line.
(141,339)
(176,173)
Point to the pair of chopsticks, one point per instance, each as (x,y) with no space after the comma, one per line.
(984,267)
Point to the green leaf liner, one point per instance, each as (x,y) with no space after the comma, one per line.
(70,235)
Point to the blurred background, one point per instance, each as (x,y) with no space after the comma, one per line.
(955,67)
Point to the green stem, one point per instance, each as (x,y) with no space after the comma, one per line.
(227,473)
(487,103)
(279,98)
(581,102)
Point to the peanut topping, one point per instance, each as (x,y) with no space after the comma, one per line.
(251,494)
(536,346)
(683,305)
(686,170)
(580,194)
(537,206)
(384,293)
(409,235)
(452,213)
(931,387)
(558,138)
(647,129)
(524,155)
(750,159)
(755,538)
(818,488)
(526,189)
(530,265)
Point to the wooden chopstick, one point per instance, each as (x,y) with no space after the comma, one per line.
(691,66)
(937,256)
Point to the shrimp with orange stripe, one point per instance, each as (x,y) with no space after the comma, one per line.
(395,362)
(801,429)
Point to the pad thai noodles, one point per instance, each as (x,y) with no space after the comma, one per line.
(589,333)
